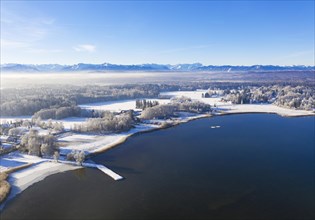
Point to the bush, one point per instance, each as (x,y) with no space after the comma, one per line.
(108,123)
(58,113)
(4,186)
(159,112)
(38,145)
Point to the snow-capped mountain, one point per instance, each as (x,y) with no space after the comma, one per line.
(145,67)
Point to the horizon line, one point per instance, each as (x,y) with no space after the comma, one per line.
(162,64)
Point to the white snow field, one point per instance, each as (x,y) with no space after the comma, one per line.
(117,106)
(97,143)
(69,122)
(8,119)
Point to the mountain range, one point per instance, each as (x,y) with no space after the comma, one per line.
(14,67)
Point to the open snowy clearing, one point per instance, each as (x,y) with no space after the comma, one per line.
(4,120)
(96,143)
(15,159)
(117,106)
(69,122)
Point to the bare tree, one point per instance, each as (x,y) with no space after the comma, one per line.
(56,156)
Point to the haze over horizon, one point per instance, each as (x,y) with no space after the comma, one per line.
(212,33)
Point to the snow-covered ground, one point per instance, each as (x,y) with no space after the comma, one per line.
(4,120)
(71,121)
(265,108)
(197,95)
(117,106)
(22,179)
(15,159)
(97,143)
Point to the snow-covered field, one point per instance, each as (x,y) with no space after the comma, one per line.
(117,106)
(15,159)
(4,120)
(197,95)
(97,143)
(71,121)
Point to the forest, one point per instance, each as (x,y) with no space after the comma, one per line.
(62,101)
(295,97)
(28,101)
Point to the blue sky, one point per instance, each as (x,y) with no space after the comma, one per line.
(166,32)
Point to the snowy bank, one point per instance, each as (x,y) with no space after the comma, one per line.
(100,143)
(41,168)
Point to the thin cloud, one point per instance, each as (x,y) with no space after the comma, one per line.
(23,33)
(13,44)
(175,50)
(42,51)
(85,48)
(300,53)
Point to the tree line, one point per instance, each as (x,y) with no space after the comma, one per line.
(143,104)
(296,97)
(27,101)
(107,123)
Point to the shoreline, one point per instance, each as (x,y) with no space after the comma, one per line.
(34,173)
(125,138)
(274,113)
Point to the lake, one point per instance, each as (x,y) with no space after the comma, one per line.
(255,166)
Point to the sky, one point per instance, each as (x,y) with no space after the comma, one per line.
(164,32)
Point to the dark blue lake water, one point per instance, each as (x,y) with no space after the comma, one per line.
(255,166)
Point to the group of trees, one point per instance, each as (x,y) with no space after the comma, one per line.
(109,122)
(49,124)
(298,97)
(143,104)
(78,156)
(58,113)
(159,111)
(186,104)
(177,104)
(212,93)
(38,145)
(20,127)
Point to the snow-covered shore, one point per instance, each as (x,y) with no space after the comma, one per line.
(264,108)
(37,170)
(100,143)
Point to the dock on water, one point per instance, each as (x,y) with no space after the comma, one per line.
(101,167)
(104,169)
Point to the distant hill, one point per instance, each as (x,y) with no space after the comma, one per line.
(13,67)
